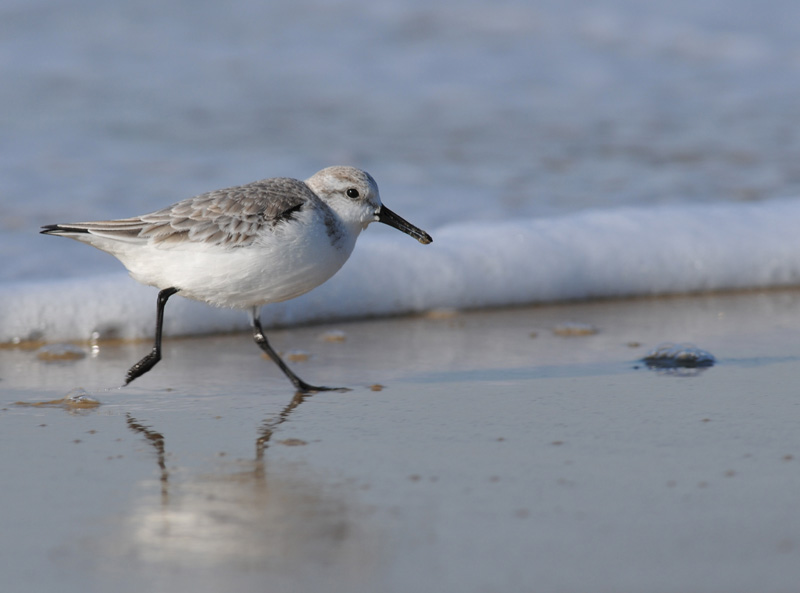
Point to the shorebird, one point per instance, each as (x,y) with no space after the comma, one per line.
(245,246)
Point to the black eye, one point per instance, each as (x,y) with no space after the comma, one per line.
(352,193)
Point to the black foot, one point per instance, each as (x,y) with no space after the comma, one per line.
(303,387)
(262,342)
(144,365)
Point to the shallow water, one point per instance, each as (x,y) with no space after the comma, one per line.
(499,454)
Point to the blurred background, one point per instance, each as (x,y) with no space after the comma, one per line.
(462,110)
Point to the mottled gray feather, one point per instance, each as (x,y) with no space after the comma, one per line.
(229,217)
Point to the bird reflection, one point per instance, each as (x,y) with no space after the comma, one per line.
(265,432)
(242,519)
(156,439)
(269,425)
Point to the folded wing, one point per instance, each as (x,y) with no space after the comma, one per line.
(231,217)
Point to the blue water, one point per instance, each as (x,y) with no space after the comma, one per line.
(658,138)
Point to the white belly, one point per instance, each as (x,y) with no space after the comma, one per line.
(282,265)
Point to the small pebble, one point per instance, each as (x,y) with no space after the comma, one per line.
(441,313)
(670,355)
(334,335)
(60,353)
(298,355)
(574,328)
(293,442)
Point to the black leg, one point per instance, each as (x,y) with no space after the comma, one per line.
(149,361)
(261,340)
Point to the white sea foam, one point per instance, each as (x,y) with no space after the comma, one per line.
(592,254)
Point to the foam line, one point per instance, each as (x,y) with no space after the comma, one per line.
(599,253)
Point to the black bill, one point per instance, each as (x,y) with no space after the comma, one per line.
(386,216)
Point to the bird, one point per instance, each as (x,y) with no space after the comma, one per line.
(245,246)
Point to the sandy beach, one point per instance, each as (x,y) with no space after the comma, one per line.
(511,450)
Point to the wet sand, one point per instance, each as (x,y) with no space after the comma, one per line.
(485,451)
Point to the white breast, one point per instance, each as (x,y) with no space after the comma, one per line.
(286,261)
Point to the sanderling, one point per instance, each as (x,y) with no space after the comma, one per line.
(246,246)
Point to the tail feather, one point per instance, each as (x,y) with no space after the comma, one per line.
(61,229)
(126,230)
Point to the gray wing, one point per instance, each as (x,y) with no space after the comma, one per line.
(230,217)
